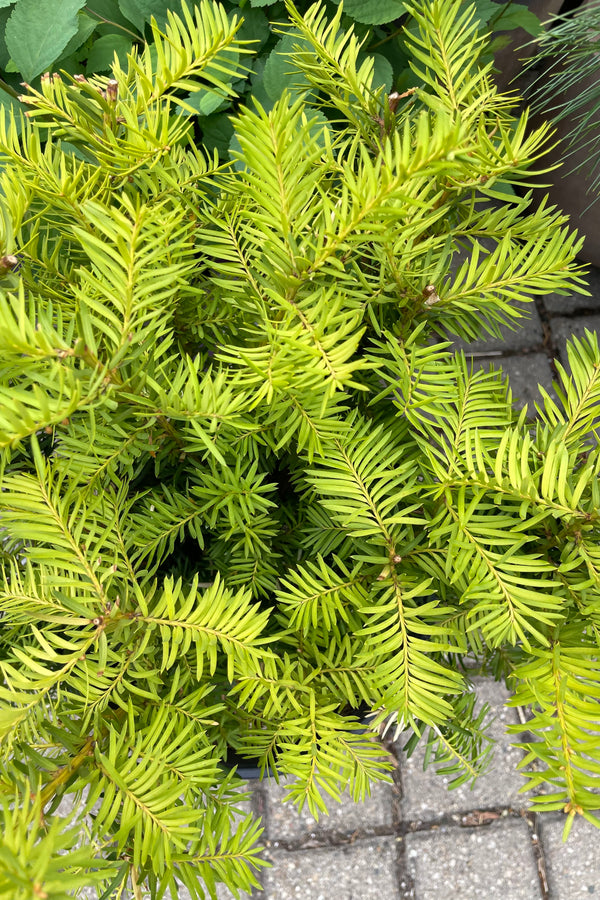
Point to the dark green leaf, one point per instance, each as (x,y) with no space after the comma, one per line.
(374,12)
(204,102)
(259,92)
(38,31)
(517,16)
(255,27)
(506,16)
(107,11)
(85,26)
(4,54)
(318,121)
(486,10)
(140,11)
(102,53)
(383,73)
(217,132)
(280,72)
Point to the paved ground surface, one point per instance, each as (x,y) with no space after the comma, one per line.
(413,839)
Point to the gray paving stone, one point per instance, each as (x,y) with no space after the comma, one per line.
(563,328)
(364,870)
(558,305)
(525,334)
(285,822)
(425,795)
(525,373)
(494,862)
(573,868)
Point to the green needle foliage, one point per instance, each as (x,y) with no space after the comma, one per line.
(247,491)
(565,85)
(76,36)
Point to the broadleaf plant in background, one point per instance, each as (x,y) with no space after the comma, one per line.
(247,492)
(38,36)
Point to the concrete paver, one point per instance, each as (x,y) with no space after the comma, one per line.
(563,328)
(285,822)
(525,373)
(524,334)
(573,867)
(425,796)
(365,870)
(573,303)
(494,862)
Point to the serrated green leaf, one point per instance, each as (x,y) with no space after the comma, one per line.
(374,12)
(383,74)
(486,10)
(4,54)
(258,89)
(204,102)
(102,53)
(108,11)
(517,16)
(280,72)
(38,31)
(255,27)
(256,3)
(85,26)
(141,11)
(217,132)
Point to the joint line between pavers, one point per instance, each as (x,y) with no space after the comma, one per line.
(549,346)
(537,847)
(259,808)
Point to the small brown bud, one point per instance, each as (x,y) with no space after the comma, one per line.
(396,558)
(80,78)
(430,294)
(393,101)
(8,262)
(112,88)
